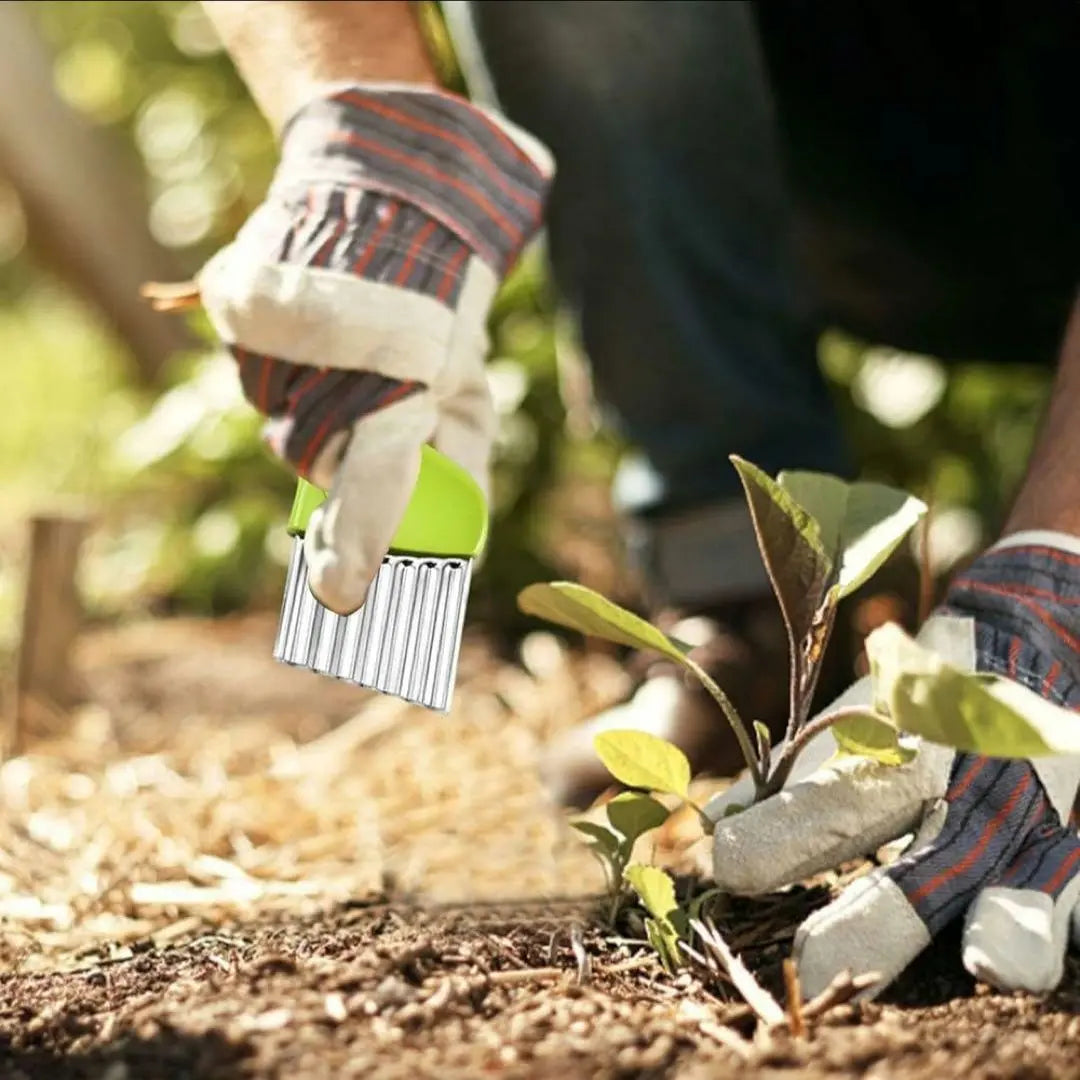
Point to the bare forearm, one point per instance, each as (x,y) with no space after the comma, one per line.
(287,49)
(1050,495)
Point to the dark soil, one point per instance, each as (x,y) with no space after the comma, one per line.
(489,990)
(394,985)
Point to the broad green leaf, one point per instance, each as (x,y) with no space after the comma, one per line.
(632,814)
(864,733)
(602,837)
(798,564)
(977,713)
(579,608)
(640,760)
(860,523)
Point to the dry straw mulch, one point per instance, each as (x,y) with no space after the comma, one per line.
(203,781)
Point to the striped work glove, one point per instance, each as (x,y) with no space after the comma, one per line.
(355,301)
(994,840)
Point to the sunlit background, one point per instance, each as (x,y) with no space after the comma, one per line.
(137,417)
(185,777)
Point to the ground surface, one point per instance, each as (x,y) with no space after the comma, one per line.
(219,868)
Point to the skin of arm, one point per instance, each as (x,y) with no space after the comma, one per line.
(1049,497)
(288,50)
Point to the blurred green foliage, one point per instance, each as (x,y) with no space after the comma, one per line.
(194,506)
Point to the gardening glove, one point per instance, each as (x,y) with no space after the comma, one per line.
(355,301)
(994,840)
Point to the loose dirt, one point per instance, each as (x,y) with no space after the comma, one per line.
(218,868)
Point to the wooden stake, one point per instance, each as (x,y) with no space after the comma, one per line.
(45,683)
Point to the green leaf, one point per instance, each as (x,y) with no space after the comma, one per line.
(864,733)
(977,713)
(602,837)
(579,608)
(764,743)
(798,564)
(860,523)
(655,889)
(641,760)
(663,938)
(632,814)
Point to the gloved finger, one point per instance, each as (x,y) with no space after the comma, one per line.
(309,407)
(467,419)
(348,536)
(870,927)
(849,808)
(992,808)
(1017,931)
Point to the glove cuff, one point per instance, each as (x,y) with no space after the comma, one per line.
(476,174)
(1024,597)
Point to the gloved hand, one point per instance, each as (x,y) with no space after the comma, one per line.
(355,300)
(994,841)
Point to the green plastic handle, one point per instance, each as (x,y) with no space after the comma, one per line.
(447,515)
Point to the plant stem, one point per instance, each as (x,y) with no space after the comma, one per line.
(813,674)
(806,667)
(795,747)
(733,718)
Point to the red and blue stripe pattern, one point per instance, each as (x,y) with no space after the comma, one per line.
(1000,828)
(396,187)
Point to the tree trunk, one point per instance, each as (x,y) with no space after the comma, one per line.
(85,211)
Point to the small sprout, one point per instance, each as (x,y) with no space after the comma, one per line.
(630,815)
(668,923)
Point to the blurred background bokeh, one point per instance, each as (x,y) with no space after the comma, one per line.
(152,156)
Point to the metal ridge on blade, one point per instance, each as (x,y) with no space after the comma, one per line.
(404,640)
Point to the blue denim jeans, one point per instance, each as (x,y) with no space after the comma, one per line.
(733,177)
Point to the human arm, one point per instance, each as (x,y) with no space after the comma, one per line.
(355,298)
(289,51)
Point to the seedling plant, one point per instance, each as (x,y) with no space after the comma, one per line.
(820,538)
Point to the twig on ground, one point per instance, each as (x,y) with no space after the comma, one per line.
(727,1038)
(842,989)
(632,964)
(523,975)
(584,962)
(702,1017)
(794,998)
(718,956)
